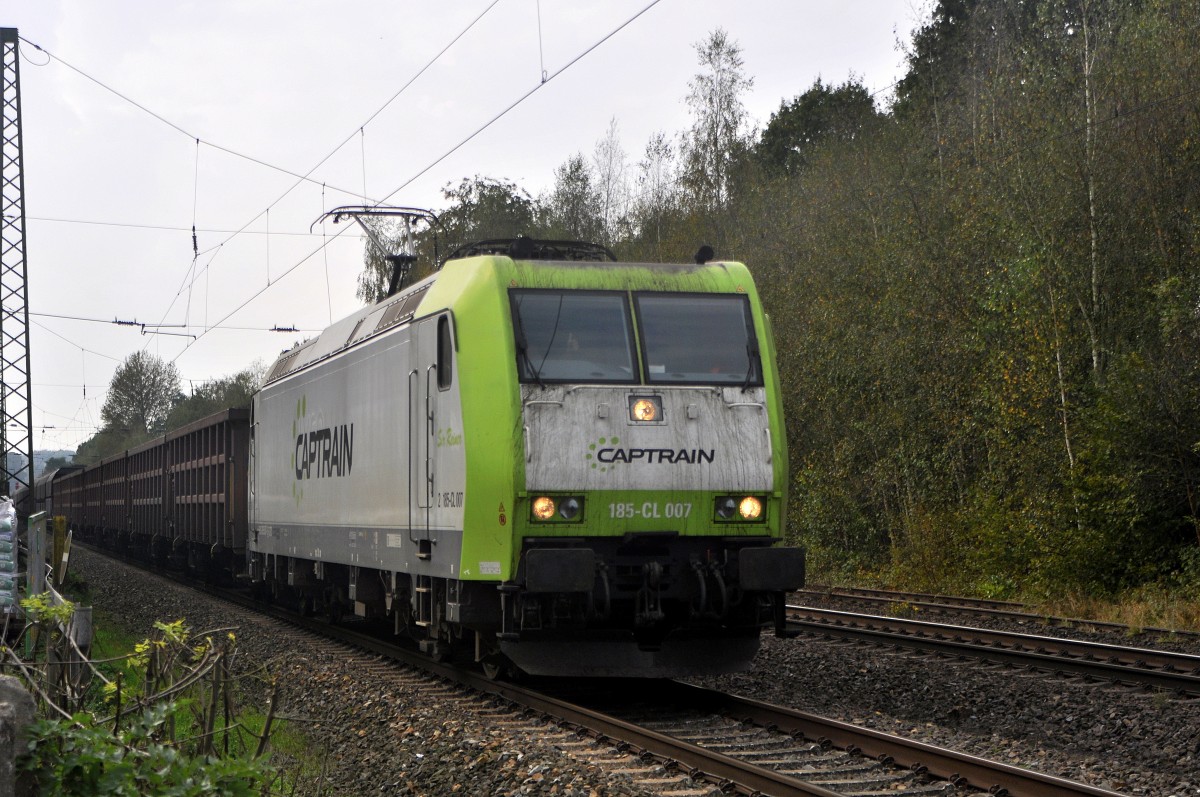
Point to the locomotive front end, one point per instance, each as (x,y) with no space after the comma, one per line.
(654,469)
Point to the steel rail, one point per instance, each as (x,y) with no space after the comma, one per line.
(946,604)
(1176,672)
(922,597)
(958,768)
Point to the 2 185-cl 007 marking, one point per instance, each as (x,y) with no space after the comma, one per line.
(649,509)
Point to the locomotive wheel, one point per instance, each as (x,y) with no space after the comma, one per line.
(304,605)
(495,665)
(335,607)
(262,592)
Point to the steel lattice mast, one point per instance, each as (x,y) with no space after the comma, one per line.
(16,408)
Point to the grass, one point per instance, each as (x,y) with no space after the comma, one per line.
(1146,607)
(1174,606)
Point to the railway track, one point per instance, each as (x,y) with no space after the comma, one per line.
(923,598)
(814,755)
(676,737)
(930,604)
(1178,673)
(683,740)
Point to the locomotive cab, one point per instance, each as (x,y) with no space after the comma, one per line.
(653,470)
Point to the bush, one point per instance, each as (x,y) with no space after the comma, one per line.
(79,757)
(164,725)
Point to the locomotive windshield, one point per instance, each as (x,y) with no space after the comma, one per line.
(587,336)
(573,336)
(698,339)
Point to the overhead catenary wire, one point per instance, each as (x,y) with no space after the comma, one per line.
(533,90)
(435,162)
(244,231)
(191,275)
(346,140)
(163,227)
(519,100)
(118,322)
(168,122)
(71,342)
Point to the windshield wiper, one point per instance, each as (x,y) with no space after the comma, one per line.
(752,357)
(523,348)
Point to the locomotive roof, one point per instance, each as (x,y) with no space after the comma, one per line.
(442,289)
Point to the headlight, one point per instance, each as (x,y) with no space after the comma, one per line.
(726,507)
(645,409)
(739,508)
(570,508)
(563,509)
(543,507)
(750,508)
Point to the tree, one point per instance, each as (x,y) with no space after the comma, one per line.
(479,208)
(718,135)
(107,441)
(54,463)
(220,394)
(141,394)
(483,208)
(573,209)
(823,113)
(656,196)
(612,185)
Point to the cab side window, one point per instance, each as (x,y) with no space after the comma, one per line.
(445,353)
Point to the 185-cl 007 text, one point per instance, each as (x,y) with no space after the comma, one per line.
(649,509)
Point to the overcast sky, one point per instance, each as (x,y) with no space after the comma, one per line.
(277,89)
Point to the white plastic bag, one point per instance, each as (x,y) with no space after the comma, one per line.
(8,514)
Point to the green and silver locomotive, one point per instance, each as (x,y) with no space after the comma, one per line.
(538,457)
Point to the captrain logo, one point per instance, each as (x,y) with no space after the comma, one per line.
(322,453)
(607,453)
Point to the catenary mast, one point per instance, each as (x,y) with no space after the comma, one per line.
(16,408)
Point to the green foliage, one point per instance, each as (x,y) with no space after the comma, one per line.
(40,609)
(216,396)
(818,116)
(165,725)
(141,394)
(54,463)
(483,208)
(144,401)
(109,440)
(574,210)
(1009,396)
(80,757)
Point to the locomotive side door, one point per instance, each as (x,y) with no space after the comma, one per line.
(422,430)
